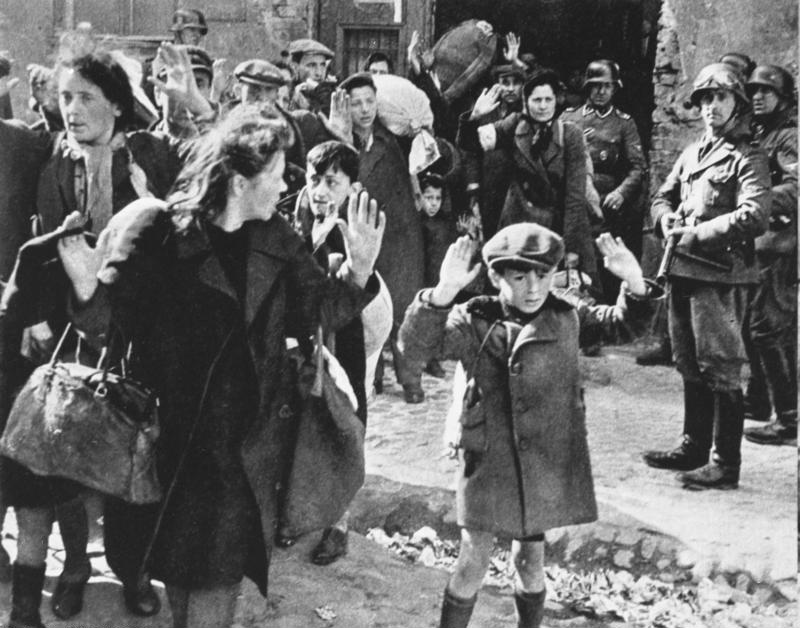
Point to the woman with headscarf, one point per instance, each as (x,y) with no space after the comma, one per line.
(548,161)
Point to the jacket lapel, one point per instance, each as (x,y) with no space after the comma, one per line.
(194,243)
(369,159)
(266,258)
(720,151)
(543,328)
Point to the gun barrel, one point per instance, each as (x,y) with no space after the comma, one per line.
(666,260)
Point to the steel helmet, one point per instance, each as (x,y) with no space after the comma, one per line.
(718,76)
(772,76)
(602,71)
(189,18)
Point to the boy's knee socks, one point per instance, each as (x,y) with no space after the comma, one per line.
(530,608)
(456,611)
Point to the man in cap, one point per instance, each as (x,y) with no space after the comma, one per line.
(712,205)
(260,81)
(310,60)
(524,462)
(617,158)
(772,319)
(188,27)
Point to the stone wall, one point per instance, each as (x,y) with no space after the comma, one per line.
(693,34)
(246,29)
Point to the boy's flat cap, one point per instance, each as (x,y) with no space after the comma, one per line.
(524,245)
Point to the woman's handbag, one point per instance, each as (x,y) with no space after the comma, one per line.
(328,464)
(90,425)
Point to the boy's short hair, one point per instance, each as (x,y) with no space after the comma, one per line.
(431,180)
(360,79)
(336,155)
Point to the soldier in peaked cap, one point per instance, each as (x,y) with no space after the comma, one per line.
(188,27)
(712,206)
(772,318)
(617,158)
(523,452)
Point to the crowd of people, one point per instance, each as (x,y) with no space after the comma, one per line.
(208,218)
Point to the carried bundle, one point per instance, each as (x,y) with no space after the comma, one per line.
(462,57)
(405,110)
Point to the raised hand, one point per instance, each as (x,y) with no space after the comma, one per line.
(511,52)
(457,271)
(221,82)
(488,101)
(340,120)
(619,260)
(80,261)
(180,86)
(363,234)
(413,53)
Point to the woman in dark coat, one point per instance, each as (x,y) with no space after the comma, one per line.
(548,161)
(94,168)
(525,464)
(207,289)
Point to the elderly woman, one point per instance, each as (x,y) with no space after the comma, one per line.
(207,288)
(548,161)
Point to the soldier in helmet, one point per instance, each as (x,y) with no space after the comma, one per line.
(617,157)
(712,206)
(188,27)
(772,319)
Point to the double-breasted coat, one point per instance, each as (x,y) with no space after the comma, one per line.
(525,464)
(547,184)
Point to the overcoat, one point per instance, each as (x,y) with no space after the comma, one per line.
(383,171)
(525,464)
(547,186)
(218,362)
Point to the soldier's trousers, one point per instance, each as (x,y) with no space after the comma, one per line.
(705,325)
(771,339)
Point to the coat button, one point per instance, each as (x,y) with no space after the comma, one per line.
(516,368)
(520,406)
(523,444)
(285,412)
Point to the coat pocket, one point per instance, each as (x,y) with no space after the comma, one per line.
(719,189)
(473,420)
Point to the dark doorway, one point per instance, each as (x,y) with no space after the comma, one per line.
(567,34)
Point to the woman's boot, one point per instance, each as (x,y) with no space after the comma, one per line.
(26,597)
(456,611)
(73,523)
(530,608)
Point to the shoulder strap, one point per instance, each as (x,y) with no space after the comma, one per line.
(483,344)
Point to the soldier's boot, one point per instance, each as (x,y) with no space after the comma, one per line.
(456,611)
(660,355)
(779,368)
(698,425)
(723,470)
(530,608)
(26,596)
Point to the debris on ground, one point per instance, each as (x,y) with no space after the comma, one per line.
(609,595)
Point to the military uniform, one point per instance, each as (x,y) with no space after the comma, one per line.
(772,316)
(619,164)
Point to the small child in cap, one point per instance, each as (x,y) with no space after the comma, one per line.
(523,449)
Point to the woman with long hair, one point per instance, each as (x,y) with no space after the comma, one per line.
(207,287)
